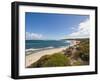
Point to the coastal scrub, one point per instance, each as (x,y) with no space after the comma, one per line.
(54,60)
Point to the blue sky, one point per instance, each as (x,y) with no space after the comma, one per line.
(55,26)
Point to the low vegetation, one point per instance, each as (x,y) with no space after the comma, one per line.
(54,60)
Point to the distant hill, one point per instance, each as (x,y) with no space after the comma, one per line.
(76,39)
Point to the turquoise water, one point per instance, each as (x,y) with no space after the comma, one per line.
(36,44)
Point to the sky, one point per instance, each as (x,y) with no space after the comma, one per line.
(49,26)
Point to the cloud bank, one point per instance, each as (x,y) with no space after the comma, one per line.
(82,31)
(33,36)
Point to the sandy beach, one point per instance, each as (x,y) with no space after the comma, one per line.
(33,57)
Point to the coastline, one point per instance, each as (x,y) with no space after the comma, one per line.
(33,57)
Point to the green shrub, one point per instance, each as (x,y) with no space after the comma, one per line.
(54,60)
(57,60)
(83,50)
(84,57)
(77,63)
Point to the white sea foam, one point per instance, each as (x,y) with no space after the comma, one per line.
(32,50)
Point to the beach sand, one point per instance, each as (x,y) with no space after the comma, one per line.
(31,58)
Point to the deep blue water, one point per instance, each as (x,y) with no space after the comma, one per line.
(45,43)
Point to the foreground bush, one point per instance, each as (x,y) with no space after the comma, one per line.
(54,60)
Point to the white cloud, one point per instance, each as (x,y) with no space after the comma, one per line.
(33,36)
(82,30)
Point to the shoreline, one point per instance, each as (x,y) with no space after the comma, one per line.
(33,57)
(32,50)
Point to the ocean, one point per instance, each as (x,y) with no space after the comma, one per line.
(37,45)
